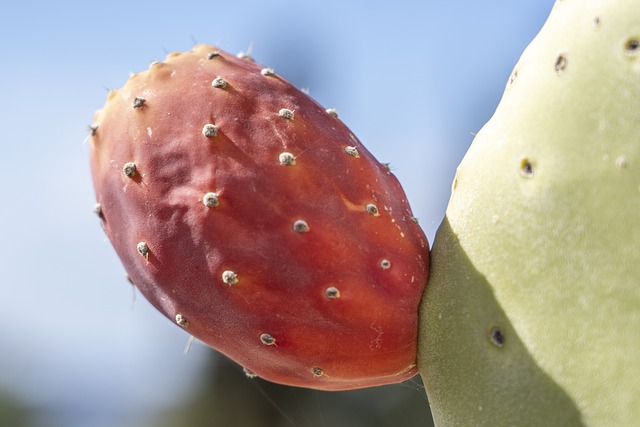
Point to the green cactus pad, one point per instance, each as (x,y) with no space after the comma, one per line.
(532,311)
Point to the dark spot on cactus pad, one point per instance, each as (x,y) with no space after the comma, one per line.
(632,47)
(267,339)
(621,162)
(332,292)
(513,77)
(317,372)
(526,168)
(454,184)
(139,102)
(596,22)
(561,63)
(496,336)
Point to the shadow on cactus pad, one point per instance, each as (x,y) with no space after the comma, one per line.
(475,367)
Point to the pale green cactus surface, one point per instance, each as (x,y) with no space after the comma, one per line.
(532,311)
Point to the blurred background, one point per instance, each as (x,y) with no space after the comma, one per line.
(78,348)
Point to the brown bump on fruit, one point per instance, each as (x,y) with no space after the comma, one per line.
(210,130)
(267,339)
(219,83)
(287,158)
(317,372)
(596,22)
(181,320)
(211,200)
(301,226)
(561,63)
(496,336)
(143,249)
(372,209)
(97,209)
(93,129)
(138,102)
(286,113)
(213,54)
(513,77)
(352,151)
(526,168)
(129,169)
(332,112)
(415,220)
(268,72)
(632,47)
(385,264)
(229,277)
(332,292)
(249,373)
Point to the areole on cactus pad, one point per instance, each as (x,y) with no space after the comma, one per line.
(253,218)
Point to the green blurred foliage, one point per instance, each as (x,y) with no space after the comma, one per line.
(12,413)
(228,398)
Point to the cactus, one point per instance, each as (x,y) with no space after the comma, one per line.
(254,219)
(532,311)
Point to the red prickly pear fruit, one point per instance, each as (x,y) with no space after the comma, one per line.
(254,219)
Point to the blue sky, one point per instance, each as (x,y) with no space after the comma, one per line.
(413,79)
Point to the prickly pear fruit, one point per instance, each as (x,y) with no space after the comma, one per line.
(532,313)
(255,220)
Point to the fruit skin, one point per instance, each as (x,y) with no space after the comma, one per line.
(541,239)
(253,218)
